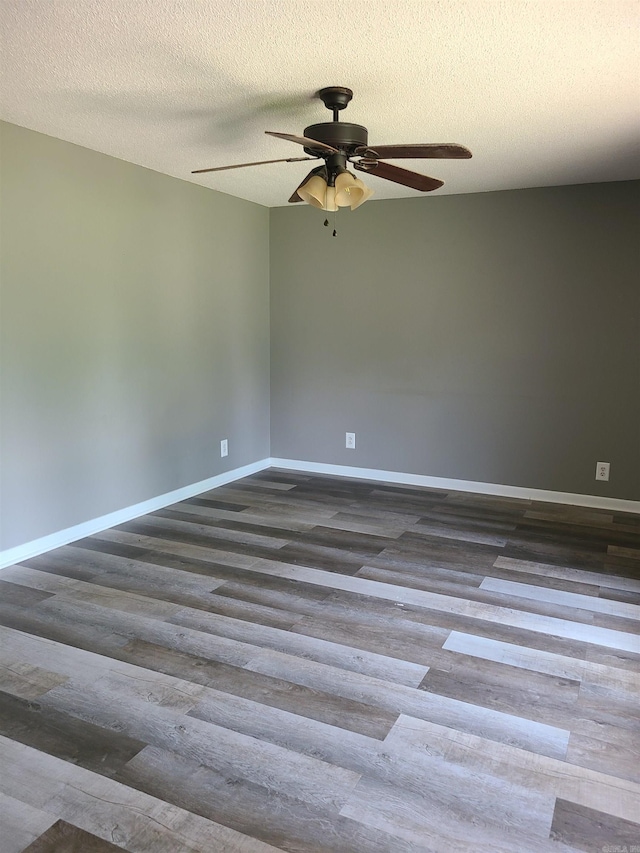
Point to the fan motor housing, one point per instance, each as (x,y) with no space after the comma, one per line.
(343,135)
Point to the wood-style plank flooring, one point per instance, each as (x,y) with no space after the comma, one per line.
(313,664)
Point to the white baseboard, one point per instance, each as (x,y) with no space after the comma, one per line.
(95,525)
(595,501)
(88,528)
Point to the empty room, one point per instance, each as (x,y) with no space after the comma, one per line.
(320,426)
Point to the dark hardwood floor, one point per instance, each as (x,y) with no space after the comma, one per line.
(311,664)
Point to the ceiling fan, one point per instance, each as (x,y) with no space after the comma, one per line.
(337,143)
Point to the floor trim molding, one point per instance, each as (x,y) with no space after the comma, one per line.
(10,556)
(596,501)
(71,534)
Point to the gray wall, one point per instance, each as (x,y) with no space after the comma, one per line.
(491,337)
(135,334)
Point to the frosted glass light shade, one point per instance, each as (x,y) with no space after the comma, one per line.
(314,191)
(348,192)
(366,191)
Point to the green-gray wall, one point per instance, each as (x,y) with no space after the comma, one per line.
(135,334)
(491,337)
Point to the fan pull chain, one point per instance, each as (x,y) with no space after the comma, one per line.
(326,223)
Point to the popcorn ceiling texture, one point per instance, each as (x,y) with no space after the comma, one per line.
(544,93)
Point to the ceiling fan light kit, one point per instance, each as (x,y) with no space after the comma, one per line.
(331,185)
(346,190)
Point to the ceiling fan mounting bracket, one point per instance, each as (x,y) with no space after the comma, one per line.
(335,98)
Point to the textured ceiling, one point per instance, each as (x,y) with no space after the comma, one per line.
(544,92)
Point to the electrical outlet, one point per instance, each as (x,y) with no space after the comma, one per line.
(602,470)
(224,447)
(351,440)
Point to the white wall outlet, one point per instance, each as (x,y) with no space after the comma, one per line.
(224,447)
(602,470)
(351,440)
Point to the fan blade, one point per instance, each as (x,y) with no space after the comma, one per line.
(303,140)
(400,176)
(256,163)
(444,151)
